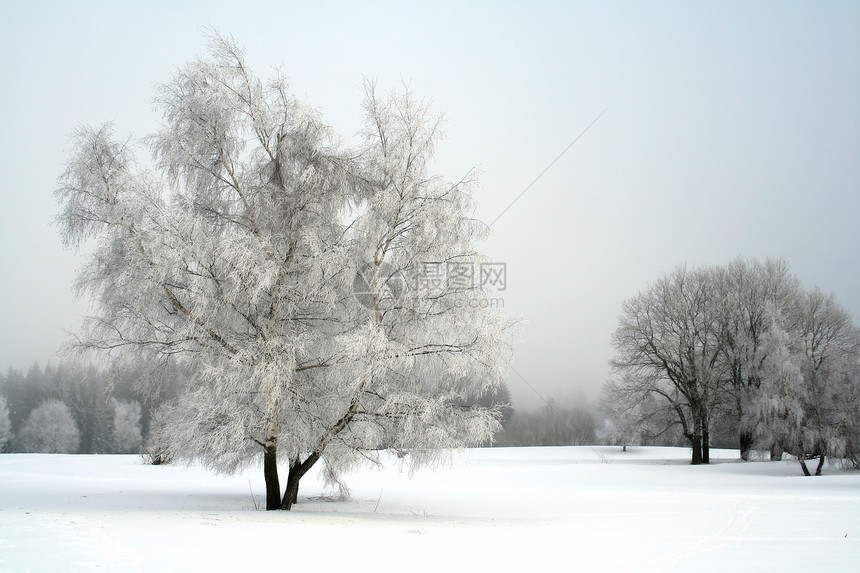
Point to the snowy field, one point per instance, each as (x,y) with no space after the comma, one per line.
(518,509)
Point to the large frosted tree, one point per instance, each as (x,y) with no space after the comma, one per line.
(751,294)
(829,349)
(775,409)
(241,256)
(808,398)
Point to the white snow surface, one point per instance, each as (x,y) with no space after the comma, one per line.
(501,509)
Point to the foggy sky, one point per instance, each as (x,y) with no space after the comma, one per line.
(728,130)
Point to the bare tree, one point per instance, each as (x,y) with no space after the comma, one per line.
(239,258)
(668,346)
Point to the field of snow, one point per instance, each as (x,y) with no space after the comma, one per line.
(517,509)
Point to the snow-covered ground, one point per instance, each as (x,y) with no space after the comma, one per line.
(517,509)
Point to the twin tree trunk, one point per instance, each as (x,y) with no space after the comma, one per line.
(297,468)
(696,442)
(818,469)
(745,442)
(273,484)
(700,441)
(701,449)
(297,472)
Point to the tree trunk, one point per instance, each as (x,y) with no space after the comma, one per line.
(745,441)
(297,471)
(803,465)
(706,446)
(270,474)
(820,465)
(696,441)
(775,453)
(291,495)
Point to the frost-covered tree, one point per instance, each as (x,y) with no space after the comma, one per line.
(744,344)
(851,401)
(15,389)
(829,347)
(24,392)
(240,257)
(5,424)
(127,438)
(499,399)
(668,346)
(748,288)
(775,409)
(84,389)
(157,446)
(807,400)
(50,428)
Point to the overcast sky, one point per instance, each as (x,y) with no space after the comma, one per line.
(729,129)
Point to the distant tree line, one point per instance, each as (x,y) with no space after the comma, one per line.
(568,422)
(73,408)
(85,409)
(743,349)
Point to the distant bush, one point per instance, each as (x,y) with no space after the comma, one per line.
(157,446)
(127,438)
(50,428)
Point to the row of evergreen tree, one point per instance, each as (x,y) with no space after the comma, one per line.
(72,408)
